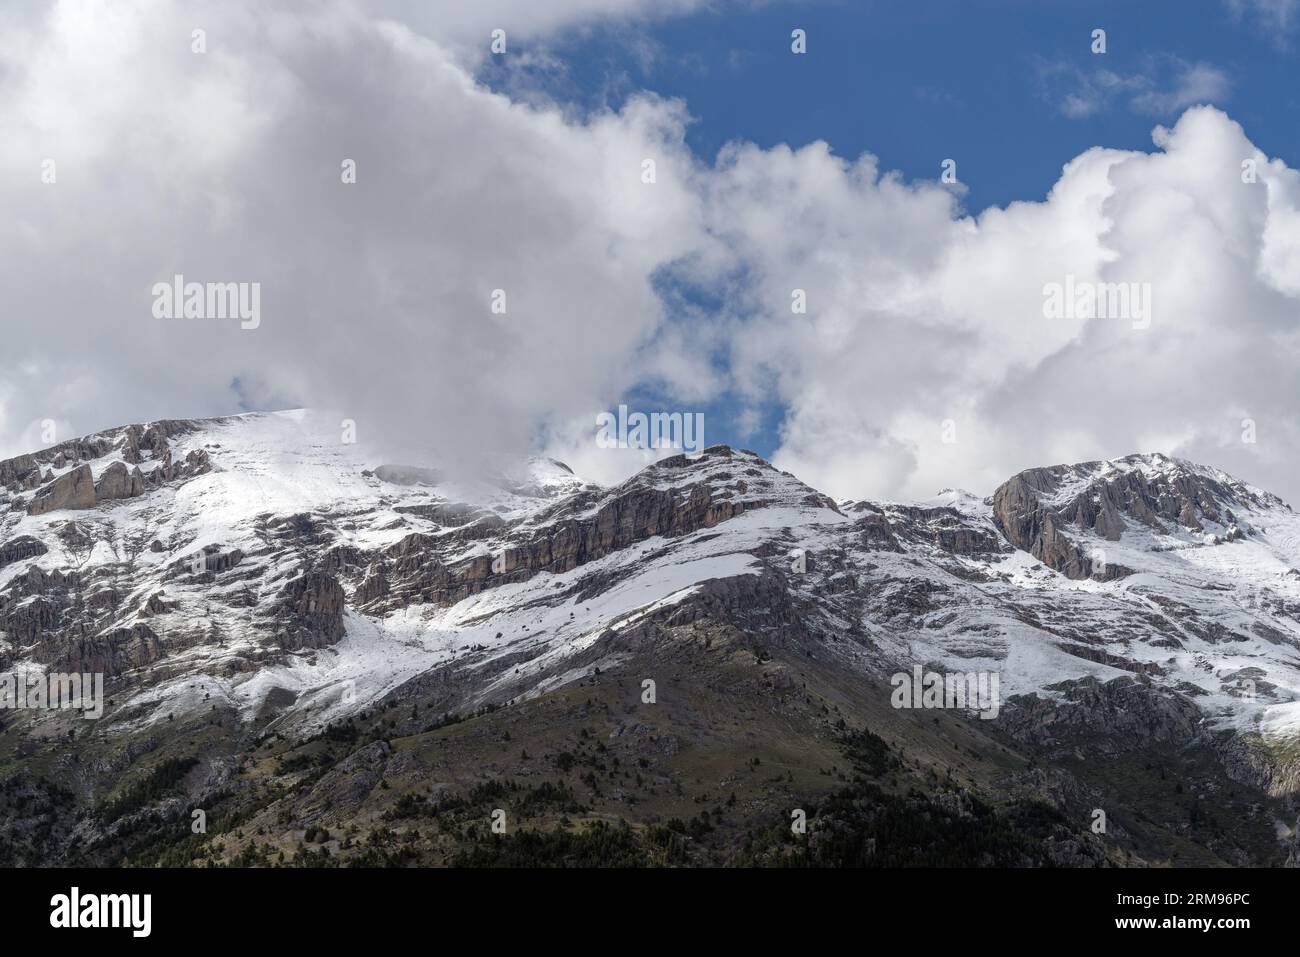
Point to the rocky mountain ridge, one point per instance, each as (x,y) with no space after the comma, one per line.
(258,572)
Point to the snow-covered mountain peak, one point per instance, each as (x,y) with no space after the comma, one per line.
(295,577)
(1054,512)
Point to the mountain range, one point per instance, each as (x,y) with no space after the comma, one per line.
(312,657)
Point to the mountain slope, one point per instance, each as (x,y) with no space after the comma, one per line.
(301,631)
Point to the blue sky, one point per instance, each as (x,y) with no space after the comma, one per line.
(1011,90)
(915,83)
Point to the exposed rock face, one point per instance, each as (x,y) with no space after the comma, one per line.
(197,462)
(340,557)
(29,622)
(21,548)
(1035,508)
(631,514)
(32,607)
(134,441)
(137,445)
(12,471)
(154,605)
(131,445)
(314,605)
(1031,527)
(208,563)
(876,531)
(110,654)
(1114,716)
(944,528)
(74,490)
(119,482)
(374,587)
(1249,759)
(758,601)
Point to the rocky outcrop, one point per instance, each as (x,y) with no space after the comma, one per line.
(374,587)
(28,622)
(196,462)
(33,607)
(154,605)
(111,653)
(154,438)
(136,444)
(1271,766)
(131,445)
(74,490)
(1114,716)
(1034,509)
(946,529)
(118,482)
(339,557)
(206,563)
(876,530)
(627,518)
(14,470)
(21,548)
(1032,527)
(311,612)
